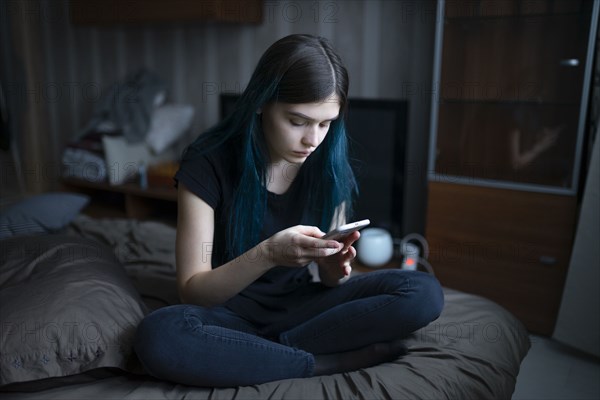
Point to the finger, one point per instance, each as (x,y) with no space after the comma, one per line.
(352,250)
(312,231)
(311,237)
(307,241)
(350,254)
(315,253)
(347,270)
(350,239)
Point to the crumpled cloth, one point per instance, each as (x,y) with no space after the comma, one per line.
(146,249)
(128,106)
(147,245)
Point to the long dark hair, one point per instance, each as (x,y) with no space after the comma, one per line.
(296,69)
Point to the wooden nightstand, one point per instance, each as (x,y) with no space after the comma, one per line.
(127,200)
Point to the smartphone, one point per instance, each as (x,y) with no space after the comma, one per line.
(342,231)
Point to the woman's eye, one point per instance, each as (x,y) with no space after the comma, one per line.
(296,122)
(326,125)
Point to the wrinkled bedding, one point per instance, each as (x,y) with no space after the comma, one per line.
(473,351)
(146,249)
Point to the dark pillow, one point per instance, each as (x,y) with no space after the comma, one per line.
(66,306)
(41,213)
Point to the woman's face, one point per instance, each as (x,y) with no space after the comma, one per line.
(293,131)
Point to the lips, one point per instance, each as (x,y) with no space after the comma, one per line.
(302,153)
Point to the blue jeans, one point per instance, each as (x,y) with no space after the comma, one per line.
(217,347)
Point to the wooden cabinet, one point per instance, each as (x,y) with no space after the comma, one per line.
(506,142)
(127,200)
(110,12)
(508,245)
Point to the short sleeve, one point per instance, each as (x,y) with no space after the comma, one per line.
(200,175)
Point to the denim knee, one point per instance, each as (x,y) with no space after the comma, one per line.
(153,336)
(422,293)
(431,294)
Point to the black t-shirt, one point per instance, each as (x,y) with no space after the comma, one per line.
(213,177)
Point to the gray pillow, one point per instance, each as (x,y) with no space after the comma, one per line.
(66,307)
(43,213)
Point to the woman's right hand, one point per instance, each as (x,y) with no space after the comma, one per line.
(298,246)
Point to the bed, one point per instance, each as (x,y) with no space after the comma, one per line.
(72,293)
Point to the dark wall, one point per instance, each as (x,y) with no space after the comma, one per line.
(55,72)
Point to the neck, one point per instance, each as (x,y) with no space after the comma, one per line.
(280,176)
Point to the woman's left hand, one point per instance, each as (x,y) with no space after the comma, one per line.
(337,266)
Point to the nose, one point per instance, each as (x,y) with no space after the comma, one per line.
(311,136)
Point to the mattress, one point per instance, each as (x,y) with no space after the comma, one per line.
(472,351)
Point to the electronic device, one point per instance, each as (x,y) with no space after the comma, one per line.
(344,230)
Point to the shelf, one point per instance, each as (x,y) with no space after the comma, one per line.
(492,9)
(127,200)
(153,192)
(132,12)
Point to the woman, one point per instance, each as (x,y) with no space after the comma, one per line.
(255,194)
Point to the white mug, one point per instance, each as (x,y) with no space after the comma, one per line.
(375,247)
